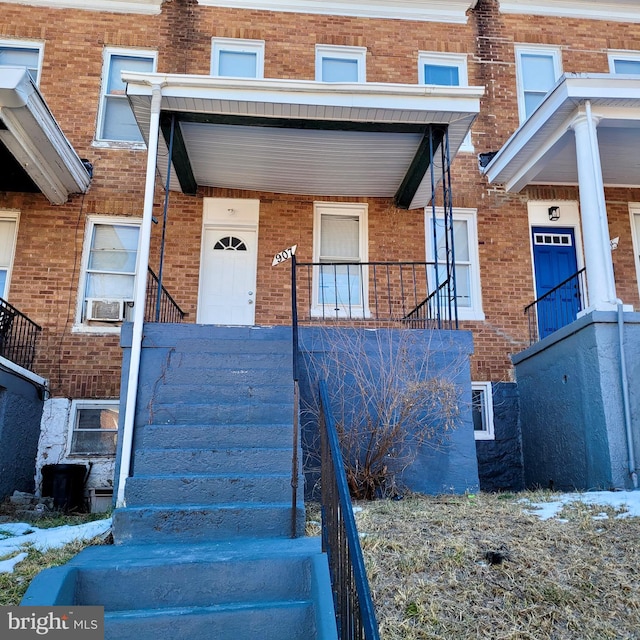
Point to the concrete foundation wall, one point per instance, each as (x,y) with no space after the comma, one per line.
(20,413)
(572,410)
(450,467)
(500,460)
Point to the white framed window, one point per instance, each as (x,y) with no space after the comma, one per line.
(236,58)
(93,428)
(537,69)
(634,215)
(447,70)
(467,261)
(624,62)
(482,410)
(336,63)
(340,239)
(107,280)
(116,122)
(8,235)
(22,53)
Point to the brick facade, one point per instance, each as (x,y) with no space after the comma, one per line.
(47,264)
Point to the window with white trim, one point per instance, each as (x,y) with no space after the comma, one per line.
(537,70)
(634,213)
(340,241)
(8,234)
(237,58)
(21,53)
(116,122)
(335,63)
(467,261)
(108,271)
(445,70)
(94,427)
(482,410)
(625,62)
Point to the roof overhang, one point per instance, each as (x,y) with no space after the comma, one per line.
(419,10)
(303,137)
(32,144)
(543,150)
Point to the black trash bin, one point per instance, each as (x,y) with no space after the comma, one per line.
(65,484)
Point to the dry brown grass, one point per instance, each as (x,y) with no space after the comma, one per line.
(429,561)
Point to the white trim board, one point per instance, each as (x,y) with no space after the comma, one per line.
(151,7)
(453,11)
(612,10)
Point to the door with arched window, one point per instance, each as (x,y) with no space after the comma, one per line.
(227,277)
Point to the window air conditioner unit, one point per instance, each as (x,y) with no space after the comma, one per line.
(105,310)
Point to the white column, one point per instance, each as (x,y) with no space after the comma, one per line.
(593,211)
(142,267)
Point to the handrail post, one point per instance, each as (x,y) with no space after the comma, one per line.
(296,400)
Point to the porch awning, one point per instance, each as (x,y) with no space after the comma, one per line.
(303,137)
(35,155)
(543,150)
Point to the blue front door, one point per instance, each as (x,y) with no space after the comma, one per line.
(554,259)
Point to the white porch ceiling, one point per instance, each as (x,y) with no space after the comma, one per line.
(33,147)
(543,151)
(287,136)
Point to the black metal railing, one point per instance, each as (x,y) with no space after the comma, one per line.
(392,293)
(18,336)
(557,308)
(160,308)
(355,614)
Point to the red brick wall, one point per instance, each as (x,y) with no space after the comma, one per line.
(49,248)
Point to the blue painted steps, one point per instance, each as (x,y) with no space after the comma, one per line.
(203,546)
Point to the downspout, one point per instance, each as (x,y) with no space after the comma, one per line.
(625,397)
(140,295)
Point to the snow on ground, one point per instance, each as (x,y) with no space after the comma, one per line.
(626,502)
(15,535)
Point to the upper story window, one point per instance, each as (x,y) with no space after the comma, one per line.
(235,58)
(537,69)
(340,64)
(116,122)
(625,62)
(20,53)
(467,261)
(108,271)
(447,70)
(8,229)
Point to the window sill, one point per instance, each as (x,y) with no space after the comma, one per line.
(95,330)
(130,146)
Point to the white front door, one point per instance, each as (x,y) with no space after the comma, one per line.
(227,276)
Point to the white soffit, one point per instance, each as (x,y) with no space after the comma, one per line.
(151,7)
(303,137)
(543,151)
(419,10)
(31,134)
(613,10)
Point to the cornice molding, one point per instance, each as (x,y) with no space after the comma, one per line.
(420,10)
(151,7)
(613,10)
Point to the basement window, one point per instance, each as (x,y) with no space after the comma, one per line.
(94,427)
(482,410)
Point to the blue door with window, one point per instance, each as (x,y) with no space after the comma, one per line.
(557,290)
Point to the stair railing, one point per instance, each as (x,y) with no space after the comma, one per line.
(18,335)
(355,614)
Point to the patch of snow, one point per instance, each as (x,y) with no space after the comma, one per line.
(628,502)
(6,566)
(22,534)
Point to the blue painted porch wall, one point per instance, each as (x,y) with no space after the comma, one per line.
(453,467)
(572,416)
(21,405)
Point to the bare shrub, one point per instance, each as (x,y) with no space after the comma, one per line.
(388,398)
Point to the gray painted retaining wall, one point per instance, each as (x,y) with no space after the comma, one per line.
(571,401)
(450,468)
(20,414)
(500,465)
